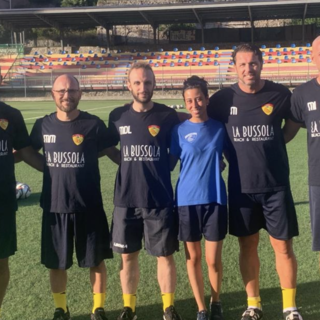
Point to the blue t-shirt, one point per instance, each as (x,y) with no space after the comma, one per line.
(199,147)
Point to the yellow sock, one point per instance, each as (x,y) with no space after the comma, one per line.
(289,298)
(60,300)
(98,301)
(254,302)
(167,299)
(129,300)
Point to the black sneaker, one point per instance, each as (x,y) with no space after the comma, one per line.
(98,314)
(216,311)
(252,314)
(202,315)
(127,314)
(59,314)
(171,314)
(292,315)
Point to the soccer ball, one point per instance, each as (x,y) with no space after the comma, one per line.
(23,191)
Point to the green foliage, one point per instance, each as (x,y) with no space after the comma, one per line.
(298,22)
(78,3)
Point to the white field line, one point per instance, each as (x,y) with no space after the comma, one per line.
(83,110)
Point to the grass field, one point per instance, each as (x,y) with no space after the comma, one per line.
(29,295)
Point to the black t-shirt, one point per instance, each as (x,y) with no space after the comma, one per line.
(13,135)
(71,181)
(143,179)
(258,156)
(305,107)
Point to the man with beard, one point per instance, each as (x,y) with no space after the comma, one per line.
(259,190)
(72,141)
(143,196)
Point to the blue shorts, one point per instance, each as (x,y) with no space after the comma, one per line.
(209,220)
(273,211)
(158,227)
(314,195)
(8,234)
(87,231)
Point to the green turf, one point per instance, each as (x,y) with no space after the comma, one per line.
(29,296)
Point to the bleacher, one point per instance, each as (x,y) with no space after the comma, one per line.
(100,69)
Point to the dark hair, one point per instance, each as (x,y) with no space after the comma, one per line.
(140,65)
(195,82)
(247,47)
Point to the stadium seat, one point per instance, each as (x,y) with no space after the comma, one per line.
(158,57)
(49,52)
(36,53)
(145,58)
(190,49)
(33,60)
(278,45)
(234,47)
(46,60)
(308,45)
(216,63)
(59,59)
(179,61)
(278,61)
(293,53)
(208,60)
(181,53)
(50,64)
(116,58)
(65,63)
(87,59)
(113,65)
(103,51)
(173,56)
(278,53)
(138,54)
(293,45)
(263,53)
(186,64)
(216,48)
(106,62)
(263,46)
(160,50)
(81,55)
(164,61)
(101,59)
(95,55)
(150,61)
(129,65)
(36,64)
(133,50)
(201,56)
(175,49)
(300,49)
(68,55)
(92,62)
(308,52)
(270,58)
(156,65)
(42,67)
(152,54)
(188,56)
(98,66)
(203,49)
(109,55)
(231,63)
(216,55)
(166,53)
(84,66)
(41,56)
(195,53)
(77,52)
(285,50)
(209,52)
(309,60)
(286,58)
(172,64)
(293,60)
(300,56)
(148,50)
(200,64)
(270,50)
(78,63)
(90,52)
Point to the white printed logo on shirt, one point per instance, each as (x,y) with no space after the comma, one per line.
(233,111)
(190,137)
(312,105)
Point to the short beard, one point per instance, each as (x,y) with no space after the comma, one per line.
(142,101)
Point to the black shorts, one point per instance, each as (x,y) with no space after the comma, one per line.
(273,211)
(8,234)
(314,194)
(158,227)
(209,220)
(89,231)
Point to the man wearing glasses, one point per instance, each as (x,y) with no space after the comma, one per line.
(72,141)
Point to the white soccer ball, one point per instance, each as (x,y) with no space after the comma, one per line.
(23,191)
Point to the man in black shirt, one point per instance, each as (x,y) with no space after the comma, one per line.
(143,194)
(13,135)
(259,190)
(72,141)
(305,108)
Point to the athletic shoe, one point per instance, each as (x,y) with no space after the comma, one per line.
(127,314)
(202,315)
(171,314)
(59,314)
(98,314)
(216,311)
(252,314)
(292,315)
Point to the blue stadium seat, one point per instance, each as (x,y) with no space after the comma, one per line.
(186,64)
(293,45)
(133,50)
(46,60)
(77,52)
(179,61)
(164,61)
(285,50)
(309,60)
(308,52)
(190,49)
(201,56)
(98,66)
(278,45)
(116,58)
(131,58)
(145,58)
(173,56)
(286,58)
(78,63)
(148,50)
(188,56)
(195,53)
(65,63)
(216,48)
(128,65)
(263,53)
(50,64)
(216,55)
(87,59)
(200,64)
(109,55)
(209,52)
(138,54)
(36,64)
(59,60)
(172,64)
(160,50)
(166,53)
(231,63)
(41,56)
(33,60)
(106,62)
(202,48)
(158,57)
(270,50)
(208,60)
(92,62)
(119,51)
(103,51)
(293,53)
(90,52)
(150,61)
(152,54)
(68,56)
(300,49)
(181,53)
(36,53)
(293,60)
(216,63)
(278,53)
(95,55)
(308,45)
(84,66)
(234,47)
(113,65)
(156,65)
(81,55)
(101,59)
(270,58)
(42,67)
(300,56)
(175,49)
(49,52)
(263,46)
(278,61)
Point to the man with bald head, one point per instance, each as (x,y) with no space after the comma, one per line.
(72,141)
(305,105)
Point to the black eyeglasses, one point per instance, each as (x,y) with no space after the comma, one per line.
(64,91)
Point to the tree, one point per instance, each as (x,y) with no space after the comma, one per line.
(78,3)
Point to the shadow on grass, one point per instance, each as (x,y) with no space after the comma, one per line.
(33,199)
(234,304)
(301,203)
